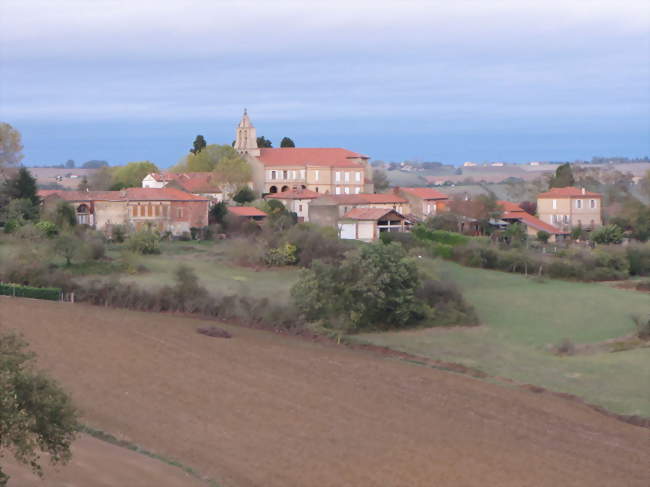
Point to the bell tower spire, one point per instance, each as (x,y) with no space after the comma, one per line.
(246,137)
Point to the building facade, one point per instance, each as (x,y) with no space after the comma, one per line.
(322,170)
(570,207)
(161,209)
(424,202)
(199,183)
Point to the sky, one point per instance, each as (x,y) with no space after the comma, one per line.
(436,80)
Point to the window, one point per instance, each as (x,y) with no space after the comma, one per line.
(357,176)
(316,173)
(300,208)
(317,189)
(346,190)
(428,208)
(164,211)
(338,176)
(302,174)
(347,176)
(292,174)
(285,174)
(357,190)
(554,218)
(179,212)
(566,218)
(578,204)
(337,190)
(555,204)
(274,174)
(592,203)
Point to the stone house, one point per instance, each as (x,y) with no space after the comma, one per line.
(513,213)
(162,209)
(319,212)
(322,170)
(570,207)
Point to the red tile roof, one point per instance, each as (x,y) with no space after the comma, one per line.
(128,194)
(369,214)
(568,192)
(426,193)
(291,156)
(246,211)
(531,221)
(294,194)
(509,206)
(192,182)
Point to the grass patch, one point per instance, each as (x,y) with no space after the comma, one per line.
(109,438)
(523,320)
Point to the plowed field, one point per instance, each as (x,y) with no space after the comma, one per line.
(266,410)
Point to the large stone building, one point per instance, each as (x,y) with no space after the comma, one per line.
(200,183)
(322,170)
(570,207)
(163,209)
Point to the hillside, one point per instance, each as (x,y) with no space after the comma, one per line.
(262,409)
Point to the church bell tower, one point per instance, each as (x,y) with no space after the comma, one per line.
(246,137)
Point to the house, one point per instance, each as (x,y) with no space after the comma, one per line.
(322,170)
(200,183)
(570,207)
(296,200)
(328,209)
(424,202)
(367,224)
(513,213)
(247,212)
(162,209)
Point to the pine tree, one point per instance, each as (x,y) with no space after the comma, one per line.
(22,186)
(263,142)
(198,145)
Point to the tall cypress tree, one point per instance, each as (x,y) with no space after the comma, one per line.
(22,186)
(563,177)
(287,142)
(198,145)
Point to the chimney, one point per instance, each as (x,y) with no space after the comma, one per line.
(583,191)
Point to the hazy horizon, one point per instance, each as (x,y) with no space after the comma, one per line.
(431,81)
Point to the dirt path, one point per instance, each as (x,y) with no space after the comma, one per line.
(266,410)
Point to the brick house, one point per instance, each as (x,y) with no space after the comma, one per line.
(513,213)
(424,202)
(161,209)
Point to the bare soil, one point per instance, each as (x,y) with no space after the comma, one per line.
(262,409)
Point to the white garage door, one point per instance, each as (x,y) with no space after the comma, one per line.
(348,230)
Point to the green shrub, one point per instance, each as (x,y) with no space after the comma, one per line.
(642,327)
(144,242)
(608,234)
(118,233)
(12,225)
(284,255)
(543,236)
(47,228)
(441,236)
(52,294)
(638,256)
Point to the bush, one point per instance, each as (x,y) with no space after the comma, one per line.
(144,242)
(213,331)
(47,228)
(284,255)
(246,253)
(642,327)
(118,233)
(313,242)
(543,236)
(638,256)
(441,236)
(19,291)
(565,347)
(608,234)
(446,304)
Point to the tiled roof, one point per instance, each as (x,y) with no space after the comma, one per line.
(294,194)
(128,194)
(509,206)
(245,211)
(367,198)
(192,182)
(568,192)
(291,156)
(368,214)
(531,221)
(426,193)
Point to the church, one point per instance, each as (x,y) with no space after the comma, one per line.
(322,170)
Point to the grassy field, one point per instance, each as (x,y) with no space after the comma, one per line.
(522,319)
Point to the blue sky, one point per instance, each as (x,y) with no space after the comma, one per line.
(436,80)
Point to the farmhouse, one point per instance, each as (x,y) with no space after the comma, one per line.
(199,183)
(322,170)
(163,209)
(367,224)
(570,207)
(327,210)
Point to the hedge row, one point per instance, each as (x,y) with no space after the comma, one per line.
(20,291)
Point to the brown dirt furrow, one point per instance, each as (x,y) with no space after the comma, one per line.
(261,409)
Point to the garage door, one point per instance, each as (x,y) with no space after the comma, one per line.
(348,230)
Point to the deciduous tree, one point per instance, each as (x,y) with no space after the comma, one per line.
(380,180)
(36,415)
(287,142)
(131,175)
(232,172)
(11,147)
(563,177)
(263,142)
